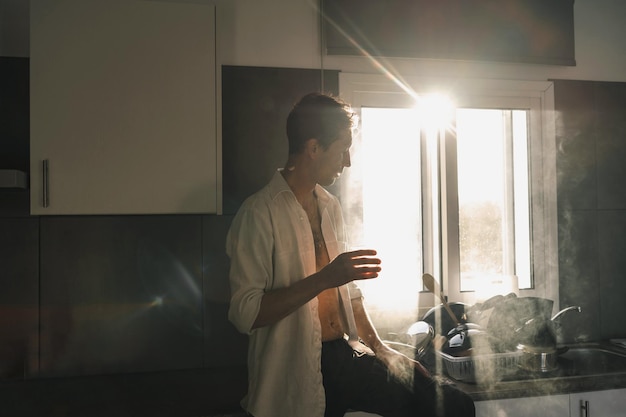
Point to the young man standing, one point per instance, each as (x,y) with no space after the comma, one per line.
(313,350)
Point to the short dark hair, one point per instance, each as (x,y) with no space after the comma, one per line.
(319,116)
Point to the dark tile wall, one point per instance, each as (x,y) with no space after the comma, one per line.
(14,113)
(255,104)
(591,187)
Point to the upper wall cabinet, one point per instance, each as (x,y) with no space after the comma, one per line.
(528,31)
(122,107)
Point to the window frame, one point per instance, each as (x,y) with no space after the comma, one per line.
(378,90)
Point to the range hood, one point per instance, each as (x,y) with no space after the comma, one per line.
(13,178)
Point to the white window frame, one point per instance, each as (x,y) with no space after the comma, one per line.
(377,90)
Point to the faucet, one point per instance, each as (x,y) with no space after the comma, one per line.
(565,310)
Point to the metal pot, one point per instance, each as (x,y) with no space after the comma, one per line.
(467,339)
(539,331)
(540,358)
(512,314)
(538,343)
(441,321)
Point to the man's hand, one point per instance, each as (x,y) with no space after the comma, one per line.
(400,365)
(350,266)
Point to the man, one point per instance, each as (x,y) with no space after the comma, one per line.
(313,350)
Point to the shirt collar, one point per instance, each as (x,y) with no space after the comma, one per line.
(278,185)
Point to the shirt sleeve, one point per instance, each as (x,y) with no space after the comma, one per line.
(249,245)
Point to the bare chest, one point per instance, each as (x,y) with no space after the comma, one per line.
(328,300)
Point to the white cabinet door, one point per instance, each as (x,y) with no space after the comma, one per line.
(609,403)
(548,406)
(123,107)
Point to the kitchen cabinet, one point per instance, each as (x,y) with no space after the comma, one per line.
(120,294)
(123,107)
(609,403)
(472,30)
(548,406)
(19,309)
(606,403)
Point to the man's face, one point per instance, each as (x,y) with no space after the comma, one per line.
(333,160)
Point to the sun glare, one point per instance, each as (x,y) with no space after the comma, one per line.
(435,110)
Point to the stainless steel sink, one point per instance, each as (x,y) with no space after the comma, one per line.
(591,360)
(578,361)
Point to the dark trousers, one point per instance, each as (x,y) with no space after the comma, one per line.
(363,383)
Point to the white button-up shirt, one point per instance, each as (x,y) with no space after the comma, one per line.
(270,245)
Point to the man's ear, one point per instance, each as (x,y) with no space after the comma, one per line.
(312,147)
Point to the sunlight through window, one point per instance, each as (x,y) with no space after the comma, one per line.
(398,156)
(492,166)
(390,162)
(463,189)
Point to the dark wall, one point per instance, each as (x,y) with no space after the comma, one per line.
(14,130)
(255,105)
(591,187)
(14,117)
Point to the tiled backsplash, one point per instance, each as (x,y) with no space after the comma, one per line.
(591,187)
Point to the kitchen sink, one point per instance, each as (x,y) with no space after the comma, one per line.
(591,360)
(581,368)
(578,361)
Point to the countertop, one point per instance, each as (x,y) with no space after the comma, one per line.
(560,381)
(208,391)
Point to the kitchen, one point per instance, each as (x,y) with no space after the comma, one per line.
(70,327)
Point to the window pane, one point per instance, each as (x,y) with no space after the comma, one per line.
(388,158)
(528,226)
(522,200)
(493,196)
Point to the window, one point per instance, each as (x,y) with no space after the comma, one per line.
(493,194)
(466,193)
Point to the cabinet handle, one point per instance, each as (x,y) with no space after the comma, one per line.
(46,183)
(584,408)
